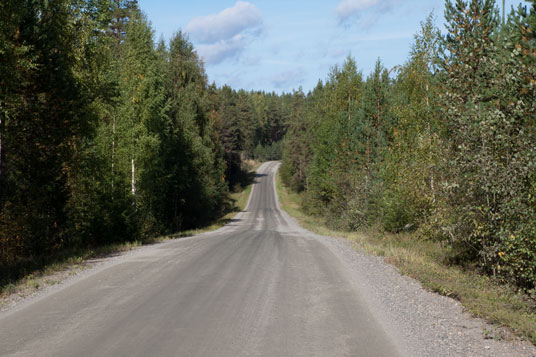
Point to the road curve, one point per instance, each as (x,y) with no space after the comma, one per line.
(260,286)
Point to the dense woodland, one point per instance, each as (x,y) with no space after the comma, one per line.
(443,145)
(107,136)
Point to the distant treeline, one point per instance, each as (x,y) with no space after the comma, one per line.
(106,136)
(443,145)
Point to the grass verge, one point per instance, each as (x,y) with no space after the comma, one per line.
(70,261)
(240,199)
(67,263)
(513,313)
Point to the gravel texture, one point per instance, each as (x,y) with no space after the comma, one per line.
(49,283)
(422,322)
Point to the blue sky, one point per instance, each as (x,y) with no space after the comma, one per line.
(279,45)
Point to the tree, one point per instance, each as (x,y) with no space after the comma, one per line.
(296,150)
(195,191)
(122,12)
(490,131)
(45,117)
(340,131)
(409,168)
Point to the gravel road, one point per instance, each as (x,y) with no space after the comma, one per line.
(260,286)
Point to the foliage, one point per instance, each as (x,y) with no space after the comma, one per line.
(251,125)
(489,119)
(268,153)
(443,144)
(44,119)
(105,137)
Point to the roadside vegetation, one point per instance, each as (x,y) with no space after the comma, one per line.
(511,311)
(432,163)
(53,270)
(442,147)
(108,137)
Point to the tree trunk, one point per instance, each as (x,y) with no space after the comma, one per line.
(113,152)
(1,153)
(133,179)
(430,158)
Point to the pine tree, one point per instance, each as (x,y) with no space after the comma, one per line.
(122,11)
(296,150)
(193,162)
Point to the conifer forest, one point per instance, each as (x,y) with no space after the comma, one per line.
(107,135)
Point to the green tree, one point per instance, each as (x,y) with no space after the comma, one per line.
(491,135)
(121,12)
(45,117)
(193,157)
(296,150)
(409,168)
(334,173)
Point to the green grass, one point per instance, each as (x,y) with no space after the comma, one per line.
(513,313)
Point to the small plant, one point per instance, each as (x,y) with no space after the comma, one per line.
(9,289)
(493,334)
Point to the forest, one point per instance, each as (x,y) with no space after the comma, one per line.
(443,146)
(107,135)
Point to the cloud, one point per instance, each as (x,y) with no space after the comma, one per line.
(288,78)
(350,9)
(215,53)
(227,33)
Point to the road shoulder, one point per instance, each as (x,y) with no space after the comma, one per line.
(423,322)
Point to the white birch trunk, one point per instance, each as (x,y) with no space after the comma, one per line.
(432,185)
(1,161)
(113,153)
(133,179)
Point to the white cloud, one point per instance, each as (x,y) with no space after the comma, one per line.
(226,34)
(215,53)
(348,9)
(226,24)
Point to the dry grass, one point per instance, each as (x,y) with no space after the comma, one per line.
(512,312)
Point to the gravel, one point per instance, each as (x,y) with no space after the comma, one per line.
(423,323)
(50,283)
